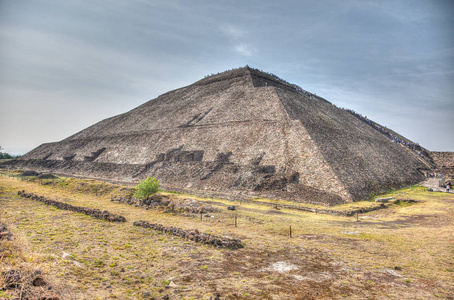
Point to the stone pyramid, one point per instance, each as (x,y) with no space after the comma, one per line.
(238,132)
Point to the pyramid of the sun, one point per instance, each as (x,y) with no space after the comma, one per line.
(238,131)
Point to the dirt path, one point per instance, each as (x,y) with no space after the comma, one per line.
(434,184)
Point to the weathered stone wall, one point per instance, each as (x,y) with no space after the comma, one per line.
(95,213)
(118,172)
(443,159)
(194,235)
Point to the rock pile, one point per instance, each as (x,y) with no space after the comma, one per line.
(383,200)
(11,278)
(23,282)
(152,202)
(171,205)
(96,213)
(4,233)
(26,284)
(194,235)
(191,206)
(46,176)
(29,173)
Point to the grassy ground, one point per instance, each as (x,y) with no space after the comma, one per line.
(402,252)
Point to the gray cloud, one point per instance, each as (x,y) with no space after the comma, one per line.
(65,65)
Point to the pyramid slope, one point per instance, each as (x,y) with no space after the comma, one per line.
(241,131)
(364,160)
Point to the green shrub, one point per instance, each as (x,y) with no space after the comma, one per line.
(146,188)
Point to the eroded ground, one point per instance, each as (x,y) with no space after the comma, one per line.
(402,252)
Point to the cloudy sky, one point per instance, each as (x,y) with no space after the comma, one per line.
(65,65)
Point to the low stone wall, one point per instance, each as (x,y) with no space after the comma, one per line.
(347,213)
(194,235)
(96,213)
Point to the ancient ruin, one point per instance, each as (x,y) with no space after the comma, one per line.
(444,162)
(95,213)
(245,132)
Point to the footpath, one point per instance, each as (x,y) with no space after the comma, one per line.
(434,184)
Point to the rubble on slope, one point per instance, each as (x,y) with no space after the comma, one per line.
(169,204)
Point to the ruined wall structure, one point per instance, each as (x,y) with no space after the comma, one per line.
(445,163)
(443,158)
(241,131)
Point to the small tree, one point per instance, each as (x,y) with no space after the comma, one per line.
(146,188)
(4,155)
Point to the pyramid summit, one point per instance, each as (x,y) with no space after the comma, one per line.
(240,131)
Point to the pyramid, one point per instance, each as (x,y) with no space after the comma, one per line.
(240,132)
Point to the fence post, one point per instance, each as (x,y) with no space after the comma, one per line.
(290,231)
(235,221)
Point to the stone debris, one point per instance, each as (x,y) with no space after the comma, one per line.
(391,272)
(367,218)
(11,279)
(190,205)
(78,264)
(4,233)
(146,294)
(281,267)
(170,204)
(351,232)
(383,200)
(22,282)
(39,281)
(96,213)
(29,173)
(194,235)
(46,176)
(68,256)
(26,285)
(346,213)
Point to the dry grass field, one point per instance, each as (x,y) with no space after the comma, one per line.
(402,252)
